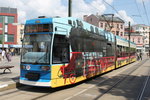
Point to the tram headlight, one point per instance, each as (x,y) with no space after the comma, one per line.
(23,67)
(45,68)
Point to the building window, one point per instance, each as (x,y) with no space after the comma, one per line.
(1,19)
(101,24)
(138,40)
(1,38)
(11,19)
(117,33)
(133,39)
(8,19)
(91,19)
(6,28)
(121,34)
(10,38)
(117,25)
(105,25)
(121,26)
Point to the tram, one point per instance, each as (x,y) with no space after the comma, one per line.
(63,51)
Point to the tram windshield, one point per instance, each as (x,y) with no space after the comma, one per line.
(36,49)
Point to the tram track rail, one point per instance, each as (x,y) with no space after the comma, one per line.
(143,88)
(120,80)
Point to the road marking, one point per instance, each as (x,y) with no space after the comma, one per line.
(2,86)
(90,95)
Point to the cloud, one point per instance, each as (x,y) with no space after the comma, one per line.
(82,8)
(28,9)
(92,7)
(140,1)
(123,15)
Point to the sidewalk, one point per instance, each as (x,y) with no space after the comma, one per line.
(10,80)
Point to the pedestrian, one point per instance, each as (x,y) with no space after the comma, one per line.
(137,56)
(3,54)
(147,54)
(8,55)
(140,55)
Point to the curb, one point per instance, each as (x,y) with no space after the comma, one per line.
(5,87)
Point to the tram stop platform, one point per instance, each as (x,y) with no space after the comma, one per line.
(9,80)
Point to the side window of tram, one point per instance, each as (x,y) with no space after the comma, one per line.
(60,50)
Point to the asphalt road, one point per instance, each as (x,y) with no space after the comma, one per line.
(130,82)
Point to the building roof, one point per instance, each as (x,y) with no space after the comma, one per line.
(140,25)
(109,18)
(8,10)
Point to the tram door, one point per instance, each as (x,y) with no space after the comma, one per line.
(60,50)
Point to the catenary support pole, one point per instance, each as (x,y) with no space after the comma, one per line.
(129,34)
(69,8)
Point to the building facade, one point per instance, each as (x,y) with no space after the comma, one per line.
(143,30)
(136,38)
(8,32)
(20,33)
(109,23)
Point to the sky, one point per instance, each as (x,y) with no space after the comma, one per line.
(135,11)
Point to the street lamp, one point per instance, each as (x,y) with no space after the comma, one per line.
(129,35)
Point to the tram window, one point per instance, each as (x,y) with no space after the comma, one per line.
(70,22)
(74,23)
(109,50)
(92,29)
(97,31)
(101,33)
(60,50)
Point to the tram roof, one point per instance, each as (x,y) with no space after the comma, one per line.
(120,38)
(65,19)
(39,21)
